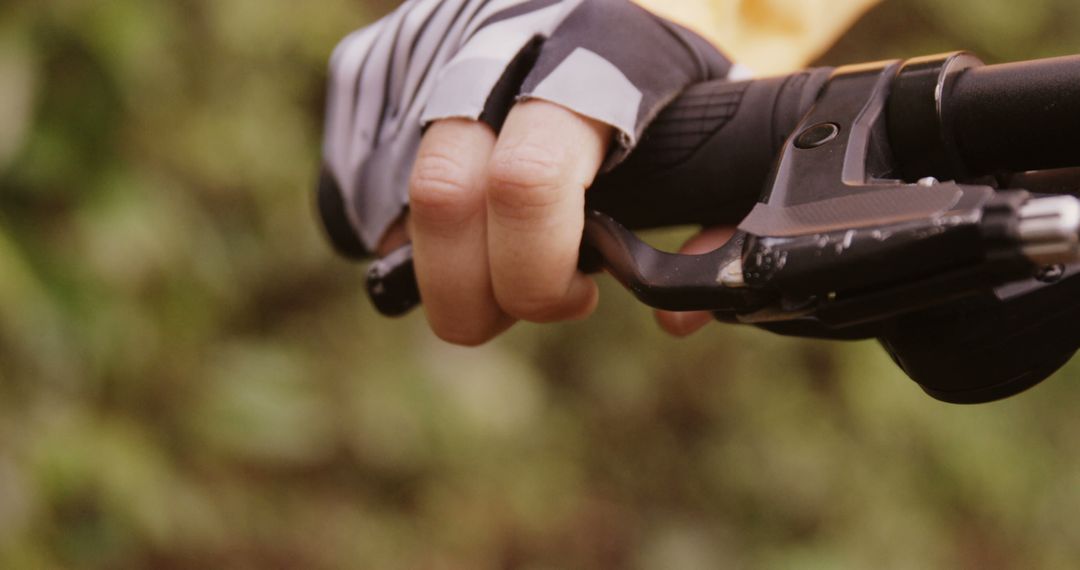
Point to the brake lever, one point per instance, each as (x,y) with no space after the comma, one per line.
(391,283)
(659,279)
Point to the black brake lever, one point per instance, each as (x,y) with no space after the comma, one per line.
(659,279)
(391,283)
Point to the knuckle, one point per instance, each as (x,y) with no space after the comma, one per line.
(441,189)
(526,176)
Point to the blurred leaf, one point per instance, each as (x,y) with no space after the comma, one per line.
(258,405)
(17,92)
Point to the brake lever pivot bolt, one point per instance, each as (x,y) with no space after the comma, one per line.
(817,135)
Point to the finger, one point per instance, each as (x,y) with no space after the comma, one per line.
(545,158)
(682,324)
(447,213)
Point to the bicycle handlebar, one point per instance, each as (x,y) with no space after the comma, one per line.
(872,201)
(1016,117)
(707,156)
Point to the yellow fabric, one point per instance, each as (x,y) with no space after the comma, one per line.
(768,36)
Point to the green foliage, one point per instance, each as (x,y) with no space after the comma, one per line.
(189,378)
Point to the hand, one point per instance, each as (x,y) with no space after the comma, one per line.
(495,191)
(496,221)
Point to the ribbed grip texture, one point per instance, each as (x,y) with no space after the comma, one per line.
(680,130)
(705,159)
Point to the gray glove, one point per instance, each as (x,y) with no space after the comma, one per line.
(609,60)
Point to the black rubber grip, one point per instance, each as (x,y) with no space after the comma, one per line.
(1016,117)
(706,158)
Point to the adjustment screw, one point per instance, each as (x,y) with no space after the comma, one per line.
(817,135)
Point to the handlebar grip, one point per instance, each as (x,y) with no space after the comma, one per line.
(954,118)
(1016,117)
(706,157)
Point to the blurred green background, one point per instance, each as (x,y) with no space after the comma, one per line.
(189,377)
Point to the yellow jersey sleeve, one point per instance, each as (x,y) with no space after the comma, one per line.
(767,36)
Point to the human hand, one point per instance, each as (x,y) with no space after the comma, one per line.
(495,196)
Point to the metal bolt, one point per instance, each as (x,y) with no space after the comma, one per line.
(817,135)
